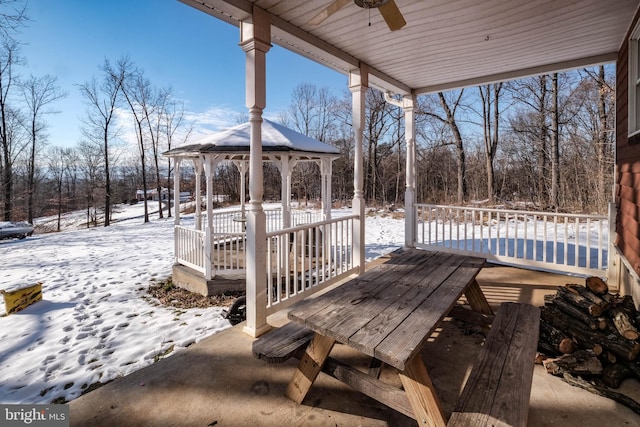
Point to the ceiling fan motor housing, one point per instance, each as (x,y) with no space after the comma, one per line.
(370,4)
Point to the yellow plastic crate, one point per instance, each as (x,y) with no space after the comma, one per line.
(19,299)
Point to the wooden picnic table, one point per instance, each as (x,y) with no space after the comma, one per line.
(388,313)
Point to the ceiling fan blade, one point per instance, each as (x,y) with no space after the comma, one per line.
(392,15)
(328,11)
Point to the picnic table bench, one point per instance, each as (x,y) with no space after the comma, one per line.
(388,313)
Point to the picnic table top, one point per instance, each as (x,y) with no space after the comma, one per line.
(390,310)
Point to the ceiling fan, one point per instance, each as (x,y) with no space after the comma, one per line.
(387,8)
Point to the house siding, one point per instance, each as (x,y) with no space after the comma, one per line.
(627,180)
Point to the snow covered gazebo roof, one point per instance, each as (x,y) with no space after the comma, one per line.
(276,138)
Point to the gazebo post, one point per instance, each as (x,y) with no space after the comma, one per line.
(285,196)
(255,38)
(358,84)
(209,167)
(198,167)
(176,193)
(325,172)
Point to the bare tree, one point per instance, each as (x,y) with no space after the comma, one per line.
(58,160)
(155,112)
(555,144)
(490,96)
(450,106)
(101,98)
(173,122)
(38,94)
(11,145)
(91,160)
(138,92)
(13,16)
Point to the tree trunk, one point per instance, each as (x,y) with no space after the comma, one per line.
(460,154)
(555,144)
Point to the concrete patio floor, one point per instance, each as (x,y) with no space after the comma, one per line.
(218,382)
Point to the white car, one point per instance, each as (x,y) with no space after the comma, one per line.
(15,229)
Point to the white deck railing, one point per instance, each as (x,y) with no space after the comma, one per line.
(556,241)
(305,259)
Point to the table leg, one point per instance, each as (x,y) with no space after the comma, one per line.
(421,394)
(476,298)
(309,367)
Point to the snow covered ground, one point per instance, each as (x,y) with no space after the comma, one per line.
(94,323)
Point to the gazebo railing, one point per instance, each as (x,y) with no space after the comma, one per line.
(189,248)
(232,221)
(227,250)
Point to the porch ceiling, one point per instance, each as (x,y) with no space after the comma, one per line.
(445,43)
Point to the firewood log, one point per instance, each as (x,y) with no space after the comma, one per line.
(581,362)
(585,338)
(597,285)
(586,293)
(590,321)
(554,338)
(613,375)
(623,324)
(573,297)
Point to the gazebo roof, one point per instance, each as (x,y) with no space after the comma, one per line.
(275,139)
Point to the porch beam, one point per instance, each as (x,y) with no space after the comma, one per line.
(255,37)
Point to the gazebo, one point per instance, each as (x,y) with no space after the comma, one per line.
(215,246)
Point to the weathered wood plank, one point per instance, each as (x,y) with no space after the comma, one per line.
(384,322)
(476,298)
(517,373)
(279,345)
(498,390)
(343,318)
(421,394)
(369,282)
(405,341)
(369,385)
(309,367)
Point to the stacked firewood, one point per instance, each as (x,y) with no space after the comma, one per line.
(587,332)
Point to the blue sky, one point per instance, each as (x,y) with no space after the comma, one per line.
(176,45)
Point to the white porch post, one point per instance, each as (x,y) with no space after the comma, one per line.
(255,38)
(358,83)
(198,199)
(410,186)
(176,191)
(209,167)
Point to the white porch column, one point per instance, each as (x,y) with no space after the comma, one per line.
(176,191)
(408,105)
(255,40)
(198,199)
(358,83)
